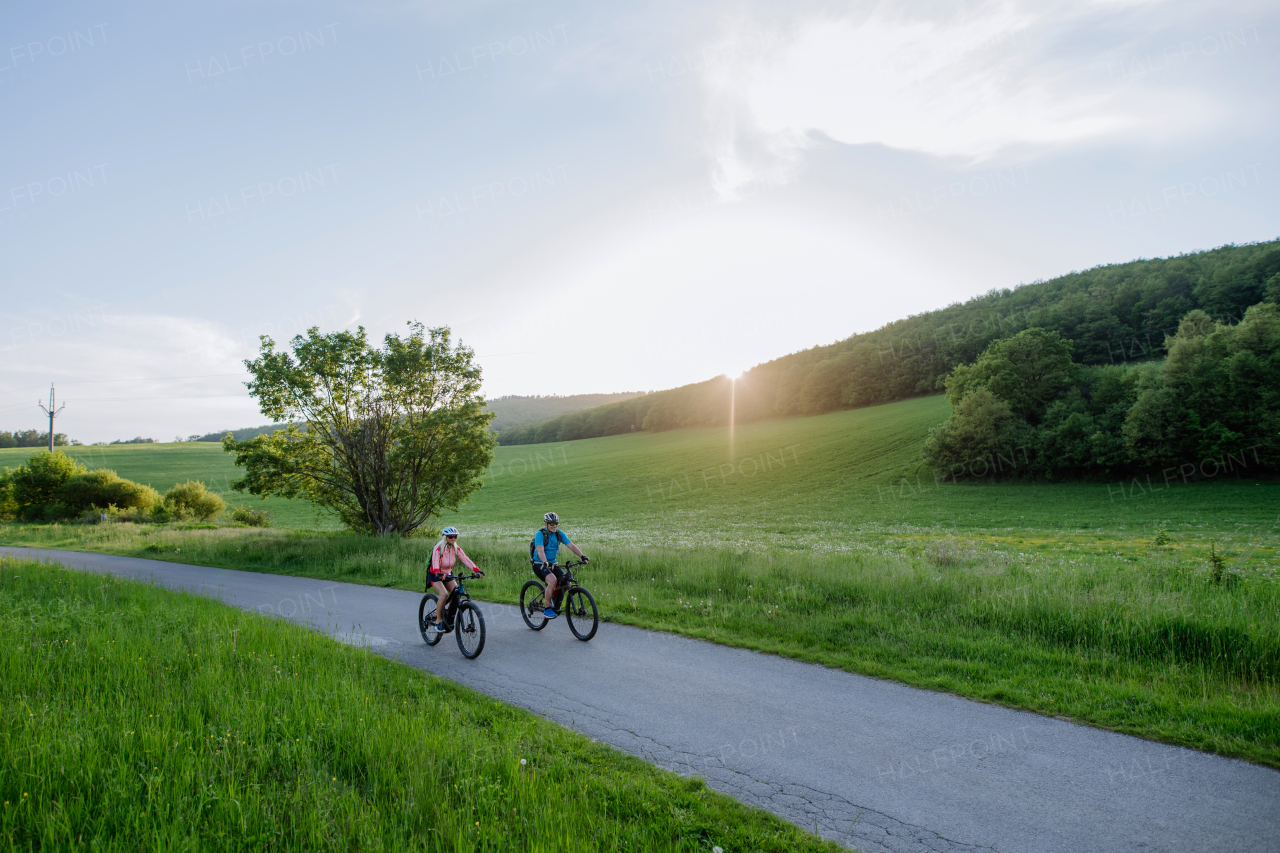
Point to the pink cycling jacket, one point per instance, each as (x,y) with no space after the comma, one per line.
(443,557)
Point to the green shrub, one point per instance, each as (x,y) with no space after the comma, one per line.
(1161,535)
(92,515)
(36,483)
(251,517)
(8,506)
(103,488)
(192,500)
(56,511)
(137,515)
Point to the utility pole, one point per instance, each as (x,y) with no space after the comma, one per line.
(52,413)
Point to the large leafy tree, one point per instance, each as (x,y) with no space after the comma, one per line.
(1028,371)
(386,438)
(981,426)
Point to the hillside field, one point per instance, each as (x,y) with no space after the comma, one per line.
(837,482)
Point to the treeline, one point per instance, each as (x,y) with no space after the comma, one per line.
(511,411)
(1113,314)
(32,438)
(1026,408)
(239,434)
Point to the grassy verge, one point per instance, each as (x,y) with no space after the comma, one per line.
(1135,639)
(138,718)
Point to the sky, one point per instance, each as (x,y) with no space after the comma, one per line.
(594,197)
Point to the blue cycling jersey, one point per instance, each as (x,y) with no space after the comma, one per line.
(552,546)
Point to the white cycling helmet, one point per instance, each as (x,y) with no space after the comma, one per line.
(449,531)
(551,518)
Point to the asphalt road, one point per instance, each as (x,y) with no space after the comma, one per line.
(872,764)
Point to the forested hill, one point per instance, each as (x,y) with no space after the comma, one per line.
(513,411)
(1113,314)
(241,434)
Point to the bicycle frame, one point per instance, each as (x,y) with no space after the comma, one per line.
(451,604)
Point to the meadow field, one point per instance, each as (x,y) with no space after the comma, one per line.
(137,718)
(847,481)
(1151,608)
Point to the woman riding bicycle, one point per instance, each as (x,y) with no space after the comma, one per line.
(440,574)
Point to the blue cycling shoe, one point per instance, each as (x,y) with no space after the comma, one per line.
(550,613)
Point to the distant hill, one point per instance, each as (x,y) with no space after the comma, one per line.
(511,411)
(242,434)
(1113,314)
(514,411)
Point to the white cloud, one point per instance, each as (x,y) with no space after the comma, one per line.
(969,85)
(124,374)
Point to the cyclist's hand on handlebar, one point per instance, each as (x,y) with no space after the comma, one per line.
(585,558)
(477,573)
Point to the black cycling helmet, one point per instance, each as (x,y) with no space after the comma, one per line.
(551,518)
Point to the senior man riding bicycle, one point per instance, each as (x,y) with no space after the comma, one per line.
(546,544)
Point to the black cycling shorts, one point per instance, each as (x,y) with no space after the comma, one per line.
(541,570)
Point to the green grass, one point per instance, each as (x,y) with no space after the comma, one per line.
(139,718)
(1136,641)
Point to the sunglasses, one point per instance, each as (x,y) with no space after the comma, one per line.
(451,537)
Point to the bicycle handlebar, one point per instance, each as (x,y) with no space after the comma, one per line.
(471,576)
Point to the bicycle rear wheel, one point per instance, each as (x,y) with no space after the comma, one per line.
(580,612)
(427,619)
(468,625)
(532,604)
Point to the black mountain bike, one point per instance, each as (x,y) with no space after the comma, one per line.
(461,617)
(577,605)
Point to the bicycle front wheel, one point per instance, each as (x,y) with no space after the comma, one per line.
(580,612)
(468,625)
(532,604)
